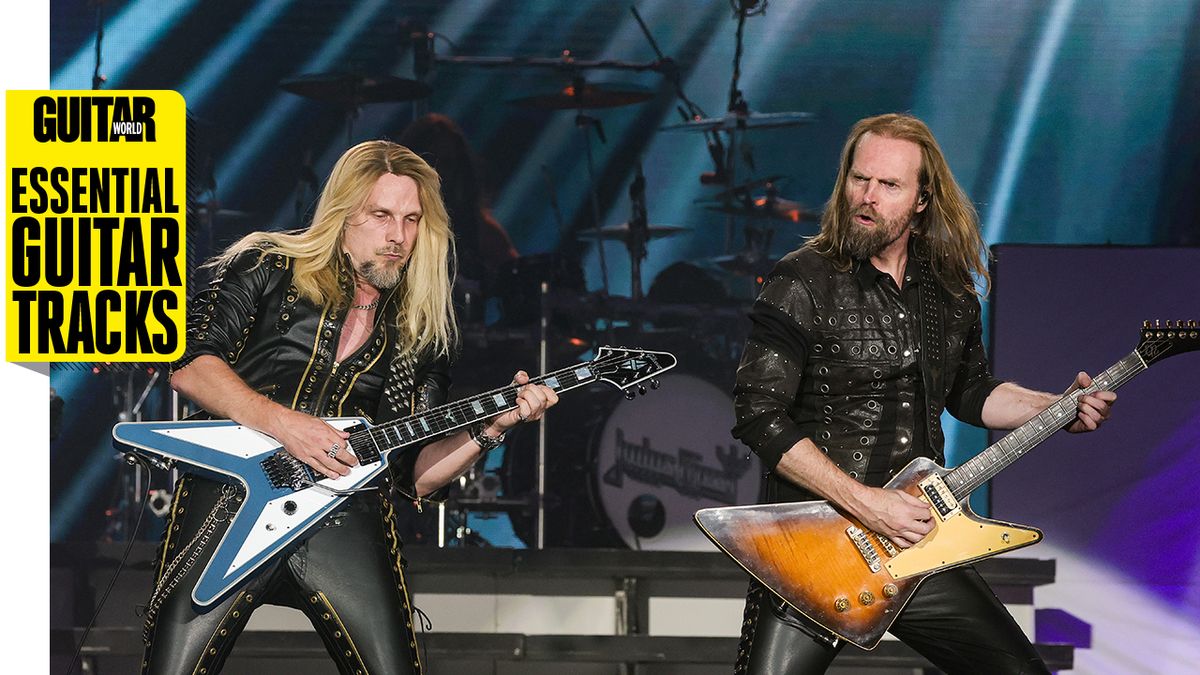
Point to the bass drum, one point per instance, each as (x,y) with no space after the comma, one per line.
(632,473)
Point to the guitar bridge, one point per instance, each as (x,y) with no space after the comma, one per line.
(284,471)
(865,549)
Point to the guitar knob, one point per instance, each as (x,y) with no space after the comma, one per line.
(655,384)
(642,389)
(630,395)
(867,598)
(841,604)
(890,590)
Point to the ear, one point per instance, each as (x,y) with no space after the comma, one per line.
(922,200)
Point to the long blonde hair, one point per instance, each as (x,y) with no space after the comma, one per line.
(426,317)
(949,225)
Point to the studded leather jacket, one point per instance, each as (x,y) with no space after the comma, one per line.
(857,365)
(284,347)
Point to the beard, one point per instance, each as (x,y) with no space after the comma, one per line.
(864,243)
(384,276)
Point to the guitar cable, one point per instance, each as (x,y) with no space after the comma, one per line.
(132,460)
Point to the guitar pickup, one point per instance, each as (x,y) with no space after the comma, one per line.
(939,496)
(865,549)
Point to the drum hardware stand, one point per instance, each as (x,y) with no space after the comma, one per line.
(582,122)
(638,234)
(129,502)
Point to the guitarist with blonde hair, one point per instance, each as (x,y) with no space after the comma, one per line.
(860,339)
(349,317)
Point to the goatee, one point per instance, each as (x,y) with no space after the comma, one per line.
(382,276)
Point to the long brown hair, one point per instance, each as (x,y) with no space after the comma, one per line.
(949,225)
(426,317)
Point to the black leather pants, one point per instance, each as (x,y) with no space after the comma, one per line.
(954,620)
(347,578)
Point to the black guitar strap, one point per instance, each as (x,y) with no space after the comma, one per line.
(933,341)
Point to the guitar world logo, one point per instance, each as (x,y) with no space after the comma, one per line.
(685,472)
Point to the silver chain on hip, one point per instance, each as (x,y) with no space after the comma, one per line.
(183,561)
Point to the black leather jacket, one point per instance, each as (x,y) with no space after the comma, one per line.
(837,357)
(284,347)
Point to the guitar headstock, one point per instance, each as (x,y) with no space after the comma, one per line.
(626,367)
(1159,341)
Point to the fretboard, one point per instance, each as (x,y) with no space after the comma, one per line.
(982,467)
(370,444)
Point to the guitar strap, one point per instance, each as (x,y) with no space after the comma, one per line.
(933,372)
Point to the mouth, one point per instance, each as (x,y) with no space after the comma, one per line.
(863,219)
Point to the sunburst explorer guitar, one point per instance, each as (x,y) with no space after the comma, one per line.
(853,582)
(284,499)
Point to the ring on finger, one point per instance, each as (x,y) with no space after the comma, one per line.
(333,450)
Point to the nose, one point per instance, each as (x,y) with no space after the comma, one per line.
(871,193)
(395,231)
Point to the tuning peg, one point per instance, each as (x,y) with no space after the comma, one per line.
(655,384)
(630,395)
(642,389)
(1157,323)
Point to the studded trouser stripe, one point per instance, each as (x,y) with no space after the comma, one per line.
(347,654)
(393,541)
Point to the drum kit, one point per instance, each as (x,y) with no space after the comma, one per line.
(615,474)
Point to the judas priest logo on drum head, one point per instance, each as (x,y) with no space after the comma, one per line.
(664,457)
(632,473)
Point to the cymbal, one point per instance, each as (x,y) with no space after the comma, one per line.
(591,96)
(745,187)
(750,120)
(765,207)
(621,232)
(743,264)
(351,89)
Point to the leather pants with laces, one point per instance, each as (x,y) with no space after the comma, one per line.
(347,578)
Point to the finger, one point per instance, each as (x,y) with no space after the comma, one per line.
(523,409)
(338,462)
(535,396)
(325,466)
(1083,380)
(345,458)
(1099,405)
(521,377)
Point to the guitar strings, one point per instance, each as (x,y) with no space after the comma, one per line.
(435,417)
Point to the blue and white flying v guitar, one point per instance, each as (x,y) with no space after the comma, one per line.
(284,499)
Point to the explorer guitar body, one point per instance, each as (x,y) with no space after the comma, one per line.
(854,582)
(839,573)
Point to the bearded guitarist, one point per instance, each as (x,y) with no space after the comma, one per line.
(860,339)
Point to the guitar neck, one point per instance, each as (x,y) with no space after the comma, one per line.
(372,443)
(981,468)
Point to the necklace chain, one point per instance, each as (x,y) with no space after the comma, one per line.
(371,305)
